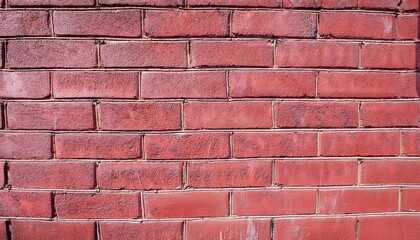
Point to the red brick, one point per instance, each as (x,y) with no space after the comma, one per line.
(232,54)
(74,175)
(140,116)
(379,4)
(186,204)
(410,143)
(108,146)
(98,23)
(3,230)
(186,23)
(390,172)
(103,205)
(229,174)
(92,84)
(359,143)
(366,85)
(1,116)
(315,228)
(25,146)
(159,3)
(315,173)
(283,144)
(390,114)
(34,85)
(187,146)
(336,25)
(203,84)
(58,3)
(25,204)
(302,3)
(39,230)
(225,115)
(271,84)
(389,56)
(273,202)
(228,229)
(408,26)
(144,230)
(409,5)
(274,24)
(2,174)
(24,23)
(51,115)
(338,4)
(410,200)
(237,3)
(317,54)
(310,114)
(51,54)
(139,175)
(389,227)
(144,54)
(358,200)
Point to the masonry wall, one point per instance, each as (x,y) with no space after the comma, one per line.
(209,119)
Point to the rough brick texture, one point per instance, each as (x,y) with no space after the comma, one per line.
(210,119)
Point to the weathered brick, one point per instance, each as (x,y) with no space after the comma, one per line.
(38,230)
(338,4)
(236,3)
(2,174)
(374,172)
(144,230)
(301,3)
(386,114)
(379,4)
(410,5)
(25,146)
(389,227)
(158,3)
(35,85)
(24,23)
(25,204)
(389,56)
(410,199)
(410,143)
(58,3)
(408,26)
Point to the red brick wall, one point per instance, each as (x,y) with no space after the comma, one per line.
(209,119)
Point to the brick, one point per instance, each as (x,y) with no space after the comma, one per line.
(228,229)
(186,204)
(271,84)
(24,23)
(410,199)
(410,143)
(186,23)
(51,54)
(1,116)
(284,144)
(336,25)
(58,3)
(366,85)
(93,84)
(2,174)
(359,143)
(389,227)
(139,175)
(315,173)
(229,174)
(102,146)
(358,200)
(140,116)
(389,56)
(51,115)
(49,175)
(274,24)
(386,114)
(125,23)
(315,228)
(144,230)
(202,84)
(376,172)
(187,146)
(3,230)
(408,26)
(410,5)
(232,54)
(379,4)
(144,54)
(158,3)
(103,205)
(25,146)
(338,4)
(273,202)
(317,54)
(310,114)
(302,3)
(33,85)
(226,115)
(236,3)
(25,204)
(38,230)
